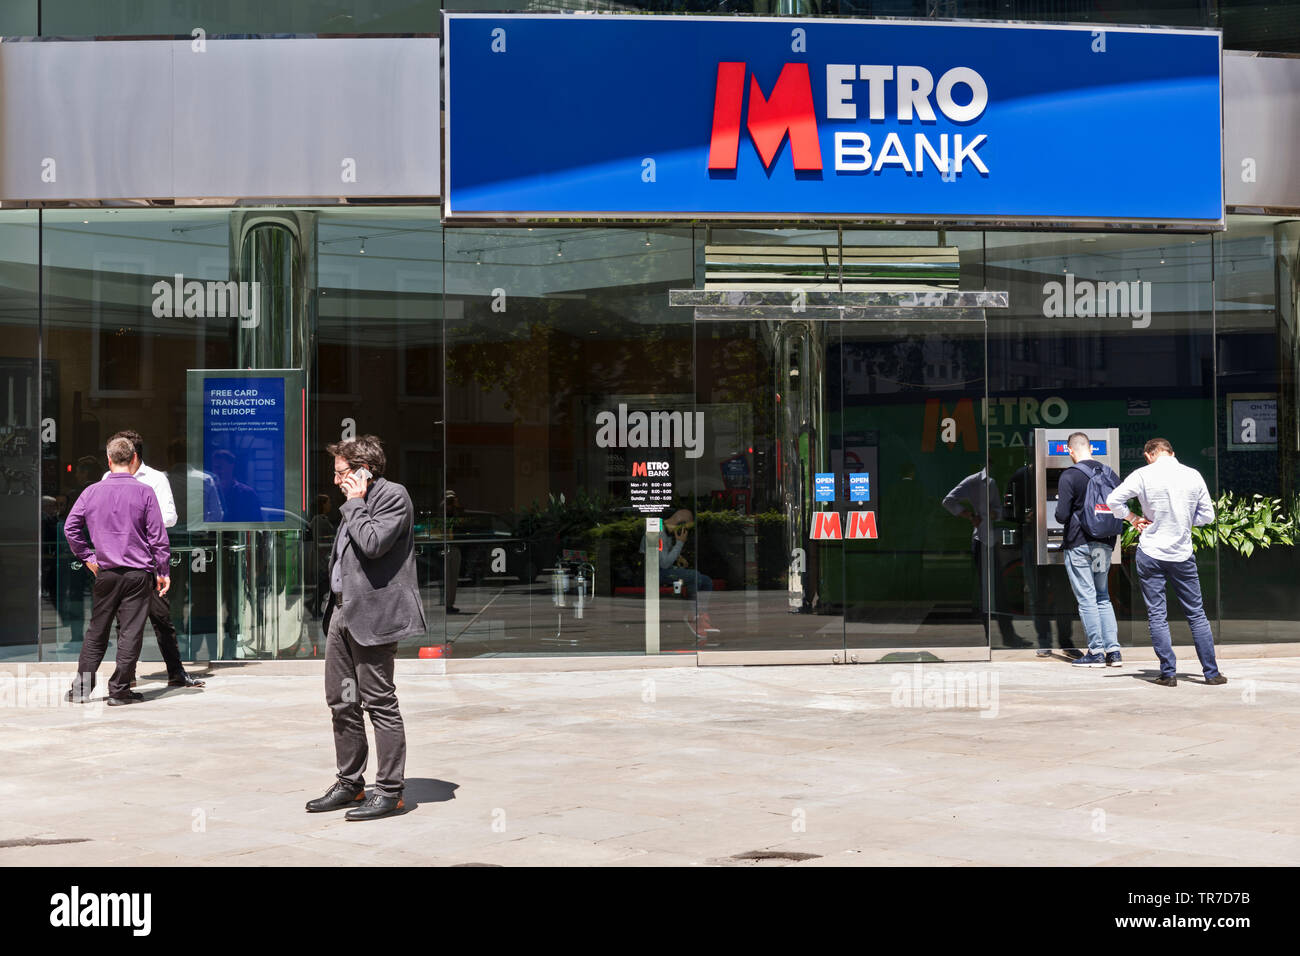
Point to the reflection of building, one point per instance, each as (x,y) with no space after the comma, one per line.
(482,354)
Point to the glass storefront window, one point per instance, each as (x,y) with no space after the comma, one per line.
(1256,25)
(555,339)
(379,364)
(222,17)
(1104,331)
(504,368)
(28,521)
(1255,338)
(115,360)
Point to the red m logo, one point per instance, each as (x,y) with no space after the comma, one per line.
(826,525)
(639,469)
(862,524)
(788,110)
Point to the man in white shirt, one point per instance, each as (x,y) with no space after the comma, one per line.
(1174,499)
(160,612)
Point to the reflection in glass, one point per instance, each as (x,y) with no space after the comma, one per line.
(1104,331)
(567,377)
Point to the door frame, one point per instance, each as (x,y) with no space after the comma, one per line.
(797,305)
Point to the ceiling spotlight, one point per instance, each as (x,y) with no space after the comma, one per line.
(363,245)
(559,249)
(647,240)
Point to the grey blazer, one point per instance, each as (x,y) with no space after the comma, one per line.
(381,599)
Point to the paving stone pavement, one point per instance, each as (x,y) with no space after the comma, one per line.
(954,764)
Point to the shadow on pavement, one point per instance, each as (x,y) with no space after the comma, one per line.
(420,790)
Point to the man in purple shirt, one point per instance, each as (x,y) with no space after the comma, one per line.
(116,530)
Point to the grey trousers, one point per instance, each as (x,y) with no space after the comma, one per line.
(356,675)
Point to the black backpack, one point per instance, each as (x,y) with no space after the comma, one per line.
(1095,516)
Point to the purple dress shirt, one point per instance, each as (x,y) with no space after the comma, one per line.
(117,524)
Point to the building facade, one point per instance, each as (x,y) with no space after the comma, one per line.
(205,200)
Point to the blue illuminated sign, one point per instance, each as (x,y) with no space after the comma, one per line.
(824,485)
(243,449)
(736,117)
(860,487)
(1061,449)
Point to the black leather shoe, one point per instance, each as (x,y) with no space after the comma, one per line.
(336,798)
(1165,681)
(74,698)
(184,680)
(123,701)
(377,806)
(1216,680)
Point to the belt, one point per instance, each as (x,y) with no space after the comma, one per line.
(336,598)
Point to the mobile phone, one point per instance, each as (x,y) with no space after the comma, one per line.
(363,473)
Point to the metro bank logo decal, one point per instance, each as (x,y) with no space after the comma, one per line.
(789,111)
(609,116)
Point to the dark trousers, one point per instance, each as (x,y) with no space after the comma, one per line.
(357,675)
(160,616)
(122,593)
(1152,575)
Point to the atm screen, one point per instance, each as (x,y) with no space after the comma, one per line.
(1061,449)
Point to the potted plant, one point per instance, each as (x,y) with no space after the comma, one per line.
(1249,545)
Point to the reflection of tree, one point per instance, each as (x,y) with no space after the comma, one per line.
(541,352)
(890,366)
(735,373)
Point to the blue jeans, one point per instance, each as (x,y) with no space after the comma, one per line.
(1088,566)
(1152,575)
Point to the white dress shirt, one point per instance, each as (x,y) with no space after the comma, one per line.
(157,480)
(1173,498)
(981,492)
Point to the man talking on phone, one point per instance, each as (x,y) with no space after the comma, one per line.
(374,603)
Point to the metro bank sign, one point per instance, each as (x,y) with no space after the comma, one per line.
(746,118)
(790,111)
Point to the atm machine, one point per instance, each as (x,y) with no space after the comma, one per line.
(1051,458)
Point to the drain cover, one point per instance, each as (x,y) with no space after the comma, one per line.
(34,841)
(790,856)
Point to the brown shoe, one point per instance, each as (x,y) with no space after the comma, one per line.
(1220,679)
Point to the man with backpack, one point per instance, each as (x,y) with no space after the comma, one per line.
(1088,542)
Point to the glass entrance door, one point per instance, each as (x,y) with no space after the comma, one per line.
(867,527)
(912,576)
